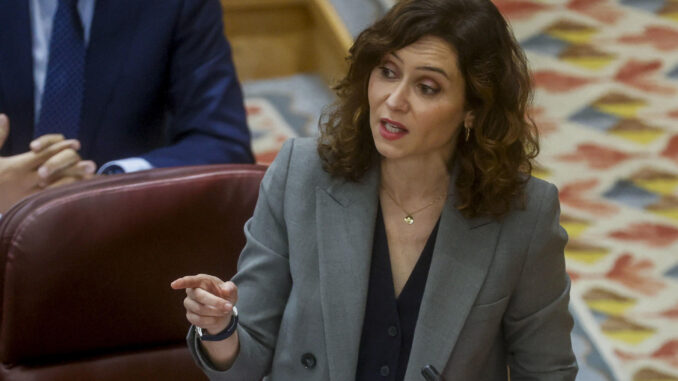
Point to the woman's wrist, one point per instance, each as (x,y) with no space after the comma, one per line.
(226,332)
(222,354)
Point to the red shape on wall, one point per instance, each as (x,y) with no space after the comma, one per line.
(635,74)
(661,37)
(668,353)
(671,150)
(633,274)
(597,157)
(513,9)
(671,313)
(656,235)
(553,81)
(572,195)
(545,125)
(597,9)
(252,110)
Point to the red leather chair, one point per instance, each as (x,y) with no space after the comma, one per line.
(85,271)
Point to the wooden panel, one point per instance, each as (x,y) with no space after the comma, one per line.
(273,38)
(331,41)
(270,38)
(269,42)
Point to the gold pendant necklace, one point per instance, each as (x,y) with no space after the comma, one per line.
(409,219)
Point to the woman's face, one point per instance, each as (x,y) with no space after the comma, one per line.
(416,98)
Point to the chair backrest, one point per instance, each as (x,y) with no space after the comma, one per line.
(85,271)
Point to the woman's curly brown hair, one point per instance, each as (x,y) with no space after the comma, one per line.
(495,163)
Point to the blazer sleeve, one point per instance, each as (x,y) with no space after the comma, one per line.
(263,279)
(207,121)
(537,323)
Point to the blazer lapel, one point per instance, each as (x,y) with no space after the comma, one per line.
(114,24)
(16,75)
(345,216)
(463,252)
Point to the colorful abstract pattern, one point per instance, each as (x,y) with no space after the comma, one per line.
(280,108)
(569,41)
(268,127)
(606,74)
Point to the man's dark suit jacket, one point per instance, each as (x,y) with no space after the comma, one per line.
(159,84)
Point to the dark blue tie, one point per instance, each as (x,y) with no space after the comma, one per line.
(65,82)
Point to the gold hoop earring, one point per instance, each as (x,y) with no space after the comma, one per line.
(468,133)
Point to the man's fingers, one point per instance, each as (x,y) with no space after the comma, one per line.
(81,170)
(4,129)
(51,169)
(34,160)
(56,147)
(86,168)
(44,141)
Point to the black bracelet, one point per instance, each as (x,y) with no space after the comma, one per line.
(223,335)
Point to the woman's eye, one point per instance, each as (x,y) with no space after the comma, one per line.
(428,90)
(386,72)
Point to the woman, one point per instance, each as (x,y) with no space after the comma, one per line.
(410,236)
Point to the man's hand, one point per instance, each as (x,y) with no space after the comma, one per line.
(51,161)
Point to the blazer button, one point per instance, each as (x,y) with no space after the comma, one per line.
(308,360)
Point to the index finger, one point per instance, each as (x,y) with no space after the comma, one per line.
(31,160)
(41,142)
(203,281)
(191,281)
(41,157)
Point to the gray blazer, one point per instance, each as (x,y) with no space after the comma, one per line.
(497,292)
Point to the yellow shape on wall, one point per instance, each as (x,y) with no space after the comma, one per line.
(574,229)
(592,63)
(581,36)
(624,330)
(624,110)
(671,16)
(611,307)
(661,186)
(668,213)
(632,337)
(642,137)
(585,256)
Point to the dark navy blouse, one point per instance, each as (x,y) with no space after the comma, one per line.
(388,328)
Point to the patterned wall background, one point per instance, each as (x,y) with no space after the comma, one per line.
(606,103)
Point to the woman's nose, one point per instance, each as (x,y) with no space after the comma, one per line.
(398,98)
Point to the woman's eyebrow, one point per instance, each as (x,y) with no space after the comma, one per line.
(427,68)
(435,69)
